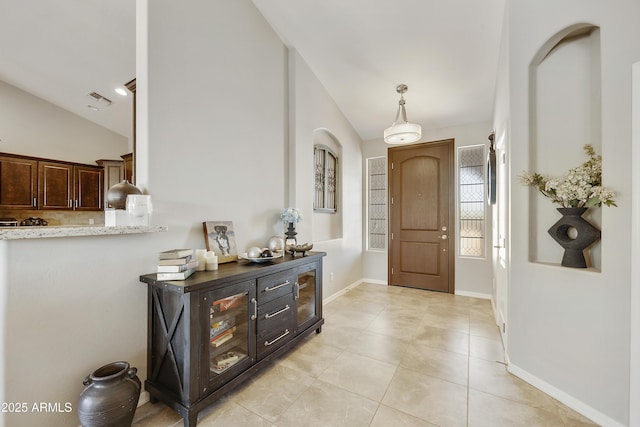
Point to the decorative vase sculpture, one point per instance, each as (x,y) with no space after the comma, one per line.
(585,235)
(110,397)
(291,234)
(117,194)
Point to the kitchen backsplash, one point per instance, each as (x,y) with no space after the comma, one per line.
(57,218)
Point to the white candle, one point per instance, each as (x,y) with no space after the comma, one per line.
(211,261)
(200,257)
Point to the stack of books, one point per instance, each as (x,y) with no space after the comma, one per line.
(176,264)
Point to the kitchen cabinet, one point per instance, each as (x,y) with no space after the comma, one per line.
(18,182)
(35,183)
(70,186)
(55,185)
(128,166)
(113,174)
(88,182)
(216,329)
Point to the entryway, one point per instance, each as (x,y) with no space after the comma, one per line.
(422,216)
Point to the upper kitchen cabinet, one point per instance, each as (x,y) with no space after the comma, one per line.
(18,182)
(88,188)
(33,183)
(70,187)
(55,183)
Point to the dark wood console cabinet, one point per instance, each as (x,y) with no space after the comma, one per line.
(211,332)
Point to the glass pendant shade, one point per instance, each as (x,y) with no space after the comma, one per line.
(402,132)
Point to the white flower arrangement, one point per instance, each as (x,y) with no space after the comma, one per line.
(289,215)
(580,187)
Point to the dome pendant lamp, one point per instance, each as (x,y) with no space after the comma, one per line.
(402,132)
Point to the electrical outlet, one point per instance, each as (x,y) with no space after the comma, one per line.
(331,276)
(91,222)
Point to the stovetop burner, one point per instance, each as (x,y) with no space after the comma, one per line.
(8,222)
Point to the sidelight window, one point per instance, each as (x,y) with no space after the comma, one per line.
(377,203)
(471,196)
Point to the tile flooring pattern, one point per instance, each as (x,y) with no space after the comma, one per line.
(387,356)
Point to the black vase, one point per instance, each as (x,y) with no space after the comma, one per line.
(110,397)
(291,233)
(574,248)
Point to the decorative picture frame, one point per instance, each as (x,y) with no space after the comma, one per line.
(220,237)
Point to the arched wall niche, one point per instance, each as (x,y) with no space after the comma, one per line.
(328,226)
(565,115)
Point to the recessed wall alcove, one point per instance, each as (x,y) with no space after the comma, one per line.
(328,226)
(565,114)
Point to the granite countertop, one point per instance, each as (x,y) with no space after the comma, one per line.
(16,233)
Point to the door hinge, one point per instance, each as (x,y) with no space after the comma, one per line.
(392,271)
(392,200)
(391,165)
(391,236)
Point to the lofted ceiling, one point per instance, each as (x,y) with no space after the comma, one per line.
(446,52)
(62,50)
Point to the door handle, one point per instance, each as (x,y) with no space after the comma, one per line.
(268,289)
(254,316)
(270,315)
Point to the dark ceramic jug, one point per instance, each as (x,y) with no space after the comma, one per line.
(117,194)
(110,397)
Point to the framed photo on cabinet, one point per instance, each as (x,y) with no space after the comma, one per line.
(220,237)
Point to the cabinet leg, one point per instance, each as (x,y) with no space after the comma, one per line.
(191,419)
(153,400)
(319,330)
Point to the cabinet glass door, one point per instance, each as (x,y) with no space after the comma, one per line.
(228,347)
(306,295)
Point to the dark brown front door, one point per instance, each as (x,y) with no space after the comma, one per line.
(421,193)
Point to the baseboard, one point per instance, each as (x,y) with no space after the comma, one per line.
(144,398)
(573,403)
(342,291)
(375,281)
(473,294)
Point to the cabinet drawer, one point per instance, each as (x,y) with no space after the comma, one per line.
(275,315)
(274,340)
(275,285)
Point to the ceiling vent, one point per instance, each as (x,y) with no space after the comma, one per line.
(101,100)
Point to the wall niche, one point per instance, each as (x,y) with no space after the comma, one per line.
(565,114)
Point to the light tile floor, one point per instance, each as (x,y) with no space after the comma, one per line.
(387,356)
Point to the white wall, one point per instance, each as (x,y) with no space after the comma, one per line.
(473,276)
(70,306)
(216,95)
(634,395)
(32,126)
(569,327)
(313,111)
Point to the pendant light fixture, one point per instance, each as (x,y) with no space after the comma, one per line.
(402,132)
